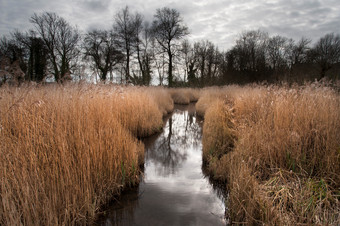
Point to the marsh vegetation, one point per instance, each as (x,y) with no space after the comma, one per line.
(173,189)
(277,148)
(68,150)
(75,105)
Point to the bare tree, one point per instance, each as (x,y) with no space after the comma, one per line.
(250,50)
(190,61)
(299,51)
(10,71)
(278,50)
(13,57)
(100,48)
(168,28)
(326,52)
(201,49)
(214,58)
(12,49)
(144,49)
(61,40)
(160,66)
(208,59)
(36,55)
(126,27)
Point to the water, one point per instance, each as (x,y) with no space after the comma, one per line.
(174,190)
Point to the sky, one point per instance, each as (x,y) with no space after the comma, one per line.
(220,21)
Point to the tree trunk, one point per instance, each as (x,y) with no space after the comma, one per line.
(127,78)
(170,69)
(140,65)
(323,73)
(104,75)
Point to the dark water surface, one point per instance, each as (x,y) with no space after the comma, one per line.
(174,190)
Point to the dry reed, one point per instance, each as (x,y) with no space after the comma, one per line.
(67,150)
(284,168)
(211,94)
(184,95)
(220,125)
(162,98)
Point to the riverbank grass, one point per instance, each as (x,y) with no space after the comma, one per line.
(284,166)
(67,150)
(184,95)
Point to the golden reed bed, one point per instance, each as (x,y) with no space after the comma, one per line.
(278,150)
(67,150)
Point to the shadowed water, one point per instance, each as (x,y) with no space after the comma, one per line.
(174,190)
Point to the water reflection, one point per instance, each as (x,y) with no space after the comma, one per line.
(174,190)
(167,152)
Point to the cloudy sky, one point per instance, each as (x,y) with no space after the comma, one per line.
(220,21)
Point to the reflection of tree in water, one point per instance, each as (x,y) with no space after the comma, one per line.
(169,150)
(165,154)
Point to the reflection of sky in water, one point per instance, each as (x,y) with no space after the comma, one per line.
(180,140)
(174,190)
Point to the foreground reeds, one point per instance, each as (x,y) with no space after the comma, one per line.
(67,150)
(278,148)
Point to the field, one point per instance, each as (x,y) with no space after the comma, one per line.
(68,150)
(278,150)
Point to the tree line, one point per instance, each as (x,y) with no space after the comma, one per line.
(136,51)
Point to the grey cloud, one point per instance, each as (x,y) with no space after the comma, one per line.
(96,5)
(219,21)
(294,14)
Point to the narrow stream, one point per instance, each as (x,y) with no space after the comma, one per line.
(174,190)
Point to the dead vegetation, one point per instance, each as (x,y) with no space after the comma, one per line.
(184,95)
(67,150)
(282,166)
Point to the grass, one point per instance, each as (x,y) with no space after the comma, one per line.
(184,95)
(278,149)
(211,94)
(162,97)
(67,150)
(219,123)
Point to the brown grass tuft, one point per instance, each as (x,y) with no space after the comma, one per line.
(211,94)
(163,99)
(137,111)
(184,95)
(222,138)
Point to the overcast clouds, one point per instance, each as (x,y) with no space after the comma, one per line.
(218,21)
